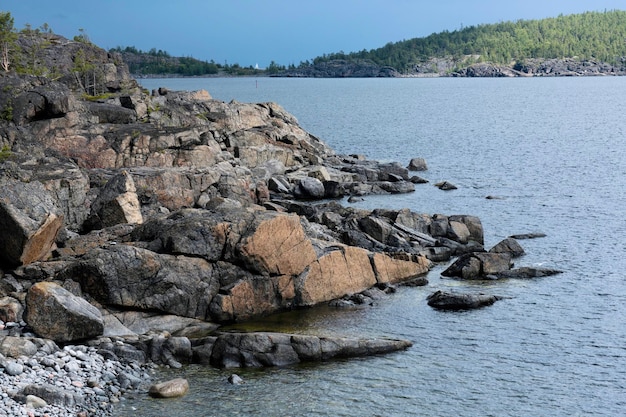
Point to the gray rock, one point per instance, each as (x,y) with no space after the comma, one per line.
(443,300)
(479,265)
(510,246)
(57,314)
(117,203)
(445,186)
(310,188)
(13,368)
(235,379)
(174,388)
(232,350)
(417,164)
(16,347)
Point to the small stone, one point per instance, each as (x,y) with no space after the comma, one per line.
(170,389)
(235,379)
(14,368)
(33,401)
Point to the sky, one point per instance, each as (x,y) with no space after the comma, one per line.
(256,32)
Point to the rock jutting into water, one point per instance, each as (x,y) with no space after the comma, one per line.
(135,225)
(443,300)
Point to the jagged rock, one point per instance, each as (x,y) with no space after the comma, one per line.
(57,314)
(29,221)
(117,203)
(234,350)
(174,388)
(508,245)
(417,164)
(479,265)
(443,300)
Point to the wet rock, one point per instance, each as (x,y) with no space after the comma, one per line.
(57,314)
(417,164)
(235,379)
(528,272)
(443,300)
(445,186)
(479,265)
(174,388)
(510,246)
(528,236)
(232,350)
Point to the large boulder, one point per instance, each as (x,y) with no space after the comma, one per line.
(57,314)
(133,277)
(29,221)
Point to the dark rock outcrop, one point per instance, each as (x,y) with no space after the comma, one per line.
(443,300)
(238,350)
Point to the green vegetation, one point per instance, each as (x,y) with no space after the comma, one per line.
(5,153)
(158,62)
(593,35)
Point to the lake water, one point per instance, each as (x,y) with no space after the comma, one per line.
(553,151)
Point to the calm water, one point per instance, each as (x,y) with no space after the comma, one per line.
(554,152)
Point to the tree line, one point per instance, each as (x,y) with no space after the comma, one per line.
(592,35)
(159,62)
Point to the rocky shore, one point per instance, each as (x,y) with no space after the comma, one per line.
(134,224)
(459,67)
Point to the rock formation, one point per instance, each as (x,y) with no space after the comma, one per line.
(131,222)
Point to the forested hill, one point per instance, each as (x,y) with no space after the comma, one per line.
(160,63)
(596,37)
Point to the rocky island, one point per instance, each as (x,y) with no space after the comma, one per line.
(133,224)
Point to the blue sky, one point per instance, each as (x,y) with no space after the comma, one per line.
(248,32)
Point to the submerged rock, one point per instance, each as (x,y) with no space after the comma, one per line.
(173,388)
